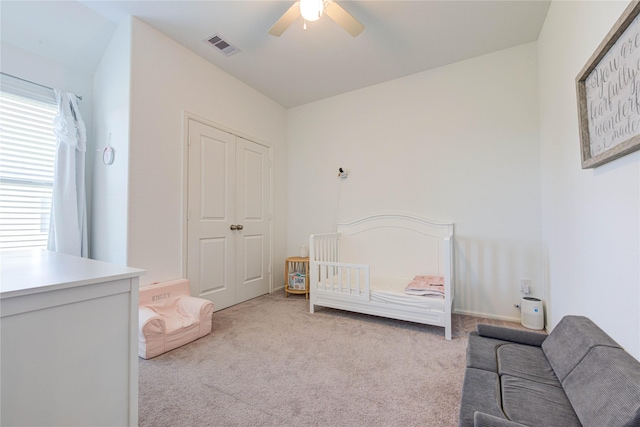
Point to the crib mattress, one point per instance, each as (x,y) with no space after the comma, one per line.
(389,291)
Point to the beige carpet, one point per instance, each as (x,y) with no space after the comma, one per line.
(269,362)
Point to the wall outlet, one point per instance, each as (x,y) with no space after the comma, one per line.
(525,286)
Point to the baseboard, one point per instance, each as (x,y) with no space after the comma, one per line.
(281,288)
(487,315)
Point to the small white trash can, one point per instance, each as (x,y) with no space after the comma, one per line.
(532,313)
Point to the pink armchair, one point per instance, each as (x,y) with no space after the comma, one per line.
(170,317)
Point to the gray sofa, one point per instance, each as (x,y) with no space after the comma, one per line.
(575,376)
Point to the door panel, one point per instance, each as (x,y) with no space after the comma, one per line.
(253,193)
(253,247)
(214,158)
(253,209)
(211,245)
(213,271)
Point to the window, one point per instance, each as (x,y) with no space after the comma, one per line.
(27,155)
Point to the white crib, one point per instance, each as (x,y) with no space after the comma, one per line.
(384,253)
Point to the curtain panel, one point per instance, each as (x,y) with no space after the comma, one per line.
(68,226)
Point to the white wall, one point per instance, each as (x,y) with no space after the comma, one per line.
(168,80)
(591,225)
(457,143)
(38,69)
(110,183)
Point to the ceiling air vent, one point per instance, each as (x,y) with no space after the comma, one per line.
(222,45)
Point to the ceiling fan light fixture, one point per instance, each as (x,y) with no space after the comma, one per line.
(311,10)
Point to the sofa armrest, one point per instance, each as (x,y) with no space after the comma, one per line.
(197,308)
(514,335)
(480,419)
(149,321)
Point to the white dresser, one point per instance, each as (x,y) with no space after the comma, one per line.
(69,341)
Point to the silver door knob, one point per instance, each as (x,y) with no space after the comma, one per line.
(233,227)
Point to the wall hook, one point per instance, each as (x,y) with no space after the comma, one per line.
(108,153)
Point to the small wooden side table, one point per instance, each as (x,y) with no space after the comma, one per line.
(296,264)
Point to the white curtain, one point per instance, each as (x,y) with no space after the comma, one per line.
(68,226)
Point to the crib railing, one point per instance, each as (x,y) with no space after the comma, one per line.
(327,274)
(351,279)
(324,247)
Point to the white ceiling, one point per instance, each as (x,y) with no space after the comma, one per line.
(401,37)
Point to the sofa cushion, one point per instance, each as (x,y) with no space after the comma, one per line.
(570,341)
(536,404)
(480,392)
(527,362)
(165,293)
(512,335)
(604,388)
(482,352)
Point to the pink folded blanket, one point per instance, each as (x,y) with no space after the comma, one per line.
(426,285)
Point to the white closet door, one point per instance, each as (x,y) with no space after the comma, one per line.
(252,213)
(228,242)
(211,244)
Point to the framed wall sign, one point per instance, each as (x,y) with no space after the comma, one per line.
(609,94)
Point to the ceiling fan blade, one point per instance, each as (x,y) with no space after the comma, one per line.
(343,18)
(285,20)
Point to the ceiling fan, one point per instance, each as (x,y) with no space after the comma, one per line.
(311,10)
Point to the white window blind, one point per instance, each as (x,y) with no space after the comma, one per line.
(27,155)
